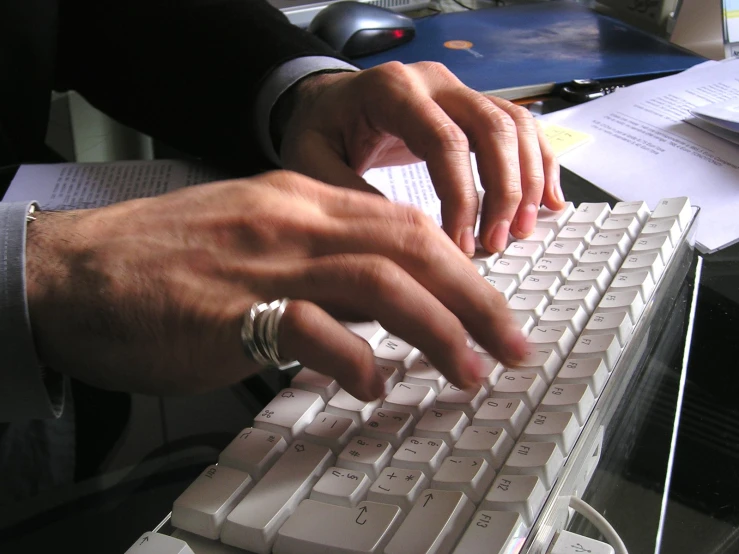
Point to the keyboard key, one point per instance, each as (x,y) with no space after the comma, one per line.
(155,543)
(531,304)
(650,261)
(312,381)
(581,232)
(367,455)
(560,339)
(523,494)
(608,256)
(253,451)
(591,371)
(640,281)
(591,212)
(290,412)
(331,430)
(504,285)
(317,528)
(542,459)
(585,295)
(572,315)
(669,227)
(371,331)
(435,523)
(407,397)
(465,400)
(422,454)
(640,209)
(484,261)
(511,415)
(389,425)
(446,425)
(618,239)
(396,352)
(561,267)
(570,249)
(629,301)
(423,373)
(630,224)
(603,346)
(345,405)
(472,476)
(398,486)
(545,362)
(491,443)
(658,243)
(678,208)
(390,376)
(528,387)
(554,220)
(524,322)
(342,487)
(201,545)
(542,235)
(576,398)
(204,505)
(597,275)
(491,532)
(561,428)
(491,370)
(523,250)
(541,284)
(616,323)
(512,269)
(253,524)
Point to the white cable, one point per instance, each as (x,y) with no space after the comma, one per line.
(599,522)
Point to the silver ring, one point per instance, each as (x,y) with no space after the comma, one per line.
(260,333)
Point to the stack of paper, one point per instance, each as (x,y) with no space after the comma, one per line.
(721,119)
(643,147)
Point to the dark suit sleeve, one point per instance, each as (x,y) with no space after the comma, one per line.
(184,71)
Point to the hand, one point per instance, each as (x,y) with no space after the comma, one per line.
(149,295)
(346,123)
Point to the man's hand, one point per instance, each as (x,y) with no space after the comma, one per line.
(149,295)
(346,123)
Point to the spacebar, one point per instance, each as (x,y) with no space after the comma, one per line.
(254,523)
(317,528)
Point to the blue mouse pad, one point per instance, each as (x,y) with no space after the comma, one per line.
(536,44)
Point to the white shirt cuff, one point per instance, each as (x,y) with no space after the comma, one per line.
(27,391)
(277,82)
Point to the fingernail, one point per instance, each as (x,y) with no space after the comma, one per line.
(471,369)
(527,219)
(378,387)
(515,343)
(558,192)
(467,241)
(499,236)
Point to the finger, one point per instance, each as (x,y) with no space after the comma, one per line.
(375,288)
(552,197)
(431,135)
(429,256)
(532,164)
(495,139)
(317,340)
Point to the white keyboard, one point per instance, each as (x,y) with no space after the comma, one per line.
(431,468)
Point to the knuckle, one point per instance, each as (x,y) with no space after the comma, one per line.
(375,274)
(520,114)
(451,138)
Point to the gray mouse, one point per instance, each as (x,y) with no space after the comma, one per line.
(357,29)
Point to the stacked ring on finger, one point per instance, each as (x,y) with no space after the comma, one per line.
(260,333)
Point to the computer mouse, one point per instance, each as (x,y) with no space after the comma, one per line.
(357,29)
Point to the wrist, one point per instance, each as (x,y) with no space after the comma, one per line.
(298,99)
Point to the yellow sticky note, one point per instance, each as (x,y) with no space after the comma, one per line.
(563,139)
